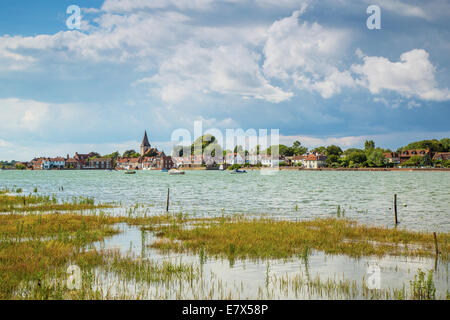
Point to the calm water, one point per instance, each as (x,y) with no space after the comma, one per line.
(423,197)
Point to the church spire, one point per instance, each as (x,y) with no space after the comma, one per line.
(145,142)
(145,146)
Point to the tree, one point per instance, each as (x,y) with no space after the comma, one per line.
(351,150)
(369,145)
(20,166)
(426,160)
(357,157)
(434,145)
(333,150)
(376,158)
(319,150)
(298,149)
(445,144)
(414,161)
(333,160)
(113,155)
(131,154)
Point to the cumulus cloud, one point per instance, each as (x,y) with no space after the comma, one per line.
(224,70)
(306,53)
(412,76)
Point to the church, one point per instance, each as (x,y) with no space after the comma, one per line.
(145,146)
(151,158)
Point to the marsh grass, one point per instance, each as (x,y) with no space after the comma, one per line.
(37,247)
(267,239)
(46,203)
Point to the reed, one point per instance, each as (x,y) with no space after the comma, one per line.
(267,238)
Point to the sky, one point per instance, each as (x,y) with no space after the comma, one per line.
(311,69)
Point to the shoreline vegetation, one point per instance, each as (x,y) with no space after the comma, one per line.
(38,241)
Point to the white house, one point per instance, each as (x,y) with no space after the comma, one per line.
(313,161)
(234,158)
(53,163)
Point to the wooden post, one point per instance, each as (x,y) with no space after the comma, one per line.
(167,203)
(395,208)
(436,243)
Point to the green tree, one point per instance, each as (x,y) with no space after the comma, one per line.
(434,145)
(414,161)
(321,150)
(376,158)
(298,149)
(357,157)
(426,160)
(445,144)
(333,150)
(20,166)
(333,160)
(131,154)
(369,145)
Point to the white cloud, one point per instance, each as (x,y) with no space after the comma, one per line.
(412,76)
(312,142)
(4,144)
(307,54)
(131,5)
(401,8)
(225,70)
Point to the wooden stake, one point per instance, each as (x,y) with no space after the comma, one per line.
(395,208)
(436,243)
(167,203)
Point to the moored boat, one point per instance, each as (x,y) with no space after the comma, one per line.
(238,171)
(175,172)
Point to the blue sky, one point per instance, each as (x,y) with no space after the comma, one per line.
(311,69)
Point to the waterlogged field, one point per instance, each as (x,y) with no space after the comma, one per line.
(111,232)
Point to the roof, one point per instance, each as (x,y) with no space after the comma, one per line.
(145,142)
(126,160)
(414,152)
(442,156)
(390,155)
(298,157)
(313,157)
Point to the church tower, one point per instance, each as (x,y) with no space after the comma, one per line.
(145,146)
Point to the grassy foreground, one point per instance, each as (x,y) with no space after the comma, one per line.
(38,246)
(239,238)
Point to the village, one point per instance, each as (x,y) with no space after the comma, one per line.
(330,157)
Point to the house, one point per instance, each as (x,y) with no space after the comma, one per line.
(129,164)
(99,163)
(36,163)
(299,160)
(315,161)
(392,157)
(53,163)
(71,163)
(405,155)
(234,158)
(441,156)
(158,162)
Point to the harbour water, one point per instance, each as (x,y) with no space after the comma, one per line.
(423,197)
